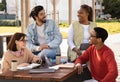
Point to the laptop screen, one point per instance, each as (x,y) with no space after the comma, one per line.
(84,46)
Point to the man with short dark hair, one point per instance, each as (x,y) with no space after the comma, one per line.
(44,37)
(102,62)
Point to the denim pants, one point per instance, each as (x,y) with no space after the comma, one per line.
(50,53)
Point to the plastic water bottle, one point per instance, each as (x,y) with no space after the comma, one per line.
(48,61)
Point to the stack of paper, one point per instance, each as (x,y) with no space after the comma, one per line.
(33,65)
(66,65)
(54,67)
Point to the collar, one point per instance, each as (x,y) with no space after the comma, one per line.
(34,24)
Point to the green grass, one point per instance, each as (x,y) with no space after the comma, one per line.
(64,35)
(111,27)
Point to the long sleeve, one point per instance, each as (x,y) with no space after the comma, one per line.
(84,57)
(112,68)
(57,37)
(70,37)
(30,55)
(102,63)
(30,35)
(5,63)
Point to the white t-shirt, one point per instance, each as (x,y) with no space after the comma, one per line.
(86,34)
(71,34)
(41,36)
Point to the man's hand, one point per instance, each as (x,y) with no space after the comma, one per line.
(44,46)
(79,67)
(77,51)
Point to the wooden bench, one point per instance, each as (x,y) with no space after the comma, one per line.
(7,36)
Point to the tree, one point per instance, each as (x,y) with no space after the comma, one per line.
(5,4)
(1,7)
(112,7)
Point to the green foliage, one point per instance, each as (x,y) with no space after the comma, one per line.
(9,23)
(5,4)
(107,21)
(2,7)
(63,24)
(112,7)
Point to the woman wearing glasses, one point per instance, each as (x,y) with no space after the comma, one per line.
(17,51)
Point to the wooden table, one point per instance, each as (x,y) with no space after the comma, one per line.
(61,75)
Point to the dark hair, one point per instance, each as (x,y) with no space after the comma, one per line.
(35,11)
(17,36)
(89,10)
(101,33)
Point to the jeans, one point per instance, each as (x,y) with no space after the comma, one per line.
(50,53)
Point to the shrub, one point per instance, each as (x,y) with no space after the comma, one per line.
(2,7)
(64,24)
(10,23)
(107,20)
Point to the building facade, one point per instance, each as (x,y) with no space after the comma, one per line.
(99,8)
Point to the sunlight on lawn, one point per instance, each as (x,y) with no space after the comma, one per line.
(112,28)
(6,29)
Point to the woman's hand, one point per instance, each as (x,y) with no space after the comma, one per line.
(79,67)
(77,51)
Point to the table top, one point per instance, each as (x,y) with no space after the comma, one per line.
(58,75)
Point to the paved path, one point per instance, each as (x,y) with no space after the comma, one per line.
(113,42)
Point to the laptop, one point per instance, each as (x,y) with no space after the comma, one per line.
(84,46)
(45,70)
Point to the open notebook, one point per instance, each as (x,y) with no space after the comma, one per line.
(33,65)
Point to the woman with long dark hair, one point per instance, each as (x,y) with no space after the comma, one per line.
(78,37)
(16,50)
(79,31)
